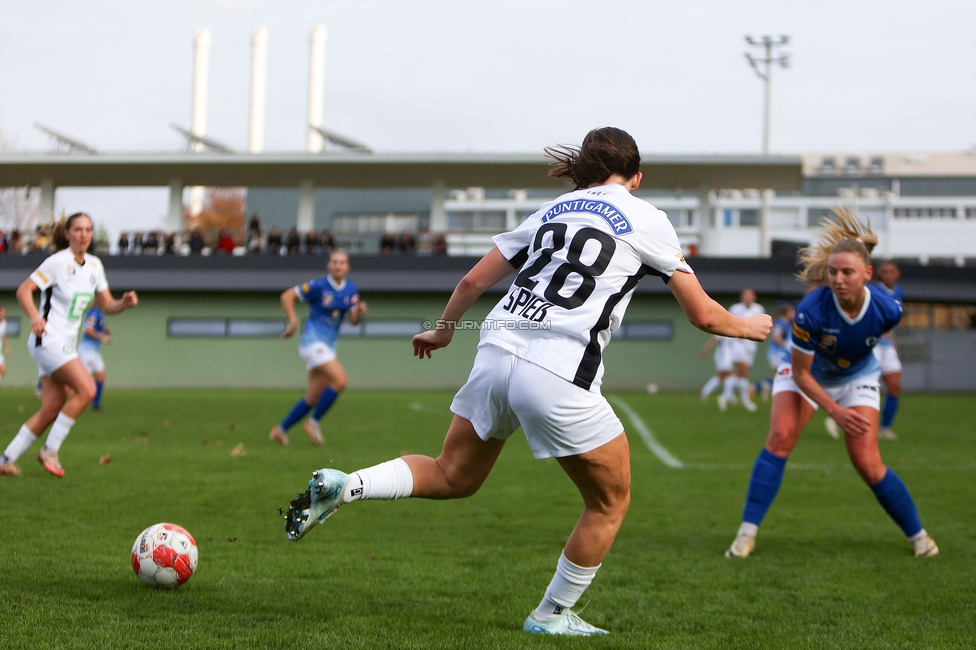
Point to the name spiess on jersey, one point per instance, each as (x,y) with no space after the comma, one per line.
(526,304)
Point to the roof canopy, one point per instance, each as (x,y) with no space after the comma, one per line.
(377,170)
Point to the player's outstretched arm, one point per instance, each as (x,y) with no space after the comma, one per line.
(111,305)
(848,419)
(288,298)
(709,316)
(708,347)
(490,270)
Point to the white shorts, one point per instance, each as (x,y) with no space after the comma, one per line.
(863,391)
(316,354)
(888,356)
(51,354)
(723,356)
(92,360)
(743,351)
(558,418)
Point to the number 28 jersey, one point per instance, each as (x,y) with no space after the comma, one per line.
(67,289)
(579,259)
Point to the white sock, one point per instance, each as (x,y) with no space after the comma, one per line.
(917,536)
(748,529)
(21,443)
(568,584)
(710,386)
(744,389)
(59,431)
(728,387)
(390,480)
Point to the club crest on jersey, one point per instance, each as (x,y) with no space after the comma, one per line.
(72,269)
(871,341)
(326,299)
(828,343)
(608,212)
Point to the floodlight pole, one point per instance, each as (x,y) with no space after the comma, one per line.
(768,43)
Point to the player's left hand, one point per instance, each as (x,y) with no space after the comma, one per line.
(130,299)
(362,308)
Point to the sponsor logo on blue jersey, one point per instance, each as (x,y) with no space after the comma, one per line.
(607,211)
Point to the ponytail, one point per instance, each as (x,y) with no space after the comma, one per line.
(845,235)
(605,151)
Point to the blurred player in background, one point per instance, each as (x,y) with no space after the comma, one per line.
(69,281)
(94,335)
(743,354)
(3,342)
(778,350)
(833,366)
(723,367)
(329,300)
(887,353)
(579,259)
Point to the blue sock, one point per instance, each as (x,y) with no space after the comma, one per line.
(326,400)
(298,411)
(897,502)
(96,403)
(767,474)
(890,409)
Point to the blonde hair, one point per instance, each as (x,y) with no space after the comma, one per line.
(846,234)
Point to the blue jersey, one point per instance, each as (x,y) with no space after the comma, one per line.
(327,305)
(777,351)
(842,345)
(898,294)
(95,320)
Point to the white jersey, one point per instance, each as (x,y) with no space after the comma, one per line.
(579,259)
(739,309)
(3,328)
(67,289)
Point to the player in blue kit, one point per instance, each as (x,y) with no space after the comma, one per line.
(835,330)
(329,300)
(887,353)
(779,344)
(94,334)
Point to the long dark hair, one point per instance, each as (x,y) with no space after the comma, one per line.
(605,151)
(60,233)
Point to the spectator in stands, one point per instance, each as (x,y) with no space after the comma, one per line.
(294,242)
(150,243)
(406,244)
(425,243)
(253,227)
(124,244)
(388,244)
(326,243)
(225,243)
(137,243)
(196,243)
(42,241)
(169,244)
(3,242)
(255,243)
(15,243)
(440,244)
(274,241)
(310,243)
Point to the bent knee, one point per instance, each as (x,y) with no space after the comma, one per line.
(338,385)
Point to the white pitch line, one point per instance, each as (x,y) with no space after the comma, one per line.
(656,447)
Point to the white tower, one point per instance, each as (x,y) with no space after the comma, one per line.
(316,88)
(198,122)
(259,89)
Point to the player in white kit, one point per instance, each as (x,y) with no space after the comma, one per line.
(69,281)
(743,354)
(540,362)
(3,342)
(723,366)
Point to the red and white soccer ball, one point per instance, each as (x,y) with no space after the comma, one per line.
(164,556)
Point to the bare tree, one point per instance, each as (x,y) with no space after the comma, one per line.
(18,205)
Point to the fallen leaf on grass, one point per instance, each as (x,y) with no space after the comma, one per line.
(105,460)
(238,450)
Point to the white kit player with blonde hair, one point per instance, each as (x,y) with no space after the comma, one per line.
(69,281)
(540,362)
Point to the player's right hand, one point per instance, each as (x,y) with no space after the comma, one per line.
(852,422)
(290,329)
(426,342)
(758,327)
(37,325)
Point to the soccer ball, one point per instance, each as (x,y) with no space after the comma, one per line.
(164,556)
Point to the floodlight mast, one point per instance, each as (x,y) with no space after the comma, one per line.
(768,43)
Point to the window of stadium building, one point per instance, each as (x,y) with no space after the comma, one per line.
(748,217)
(924,315)
(971,213)
(477,220)
(681,218)
(361,224)
(924,213)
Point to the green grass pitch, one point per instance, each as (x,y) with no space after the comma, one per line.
(831,570)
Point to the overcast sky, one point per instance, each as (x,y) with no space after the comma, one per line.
(514,76)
